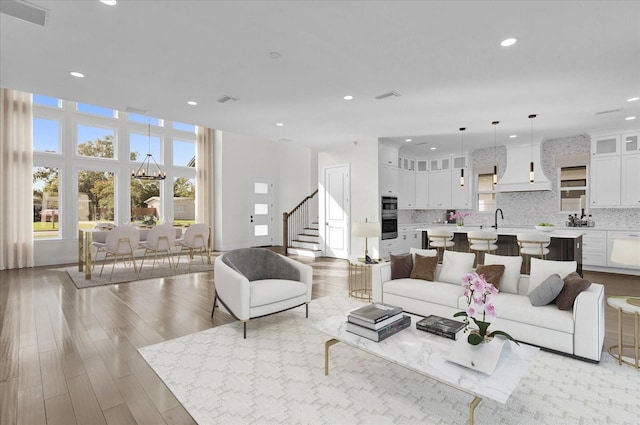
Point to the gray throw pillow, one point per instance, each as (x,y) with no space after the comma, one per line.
(547,291)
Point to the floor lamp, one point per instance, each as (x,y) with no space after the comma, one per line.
(367,230)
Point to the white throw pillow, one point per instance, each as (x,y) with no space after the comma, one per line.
(423,252)
(455,265)
(542,269)
(511,276)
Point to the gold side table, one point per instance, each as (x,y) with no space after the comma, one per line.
(627,305)
(359,279)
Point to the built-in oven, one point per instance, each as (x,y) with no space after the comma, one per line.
(389,217)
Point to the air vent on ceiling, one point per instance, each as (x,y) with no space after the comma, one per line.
(389,94)
(423,143)
(225,98)
(610,111)
(25,11)
(136,110)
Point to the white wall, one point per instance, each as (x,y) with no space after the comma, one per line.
(237,159)
(363,159)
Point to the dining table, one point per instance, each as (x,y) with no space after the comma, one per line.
(86,236)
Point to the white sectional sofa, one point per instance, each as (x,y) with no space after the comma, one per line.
(578,332)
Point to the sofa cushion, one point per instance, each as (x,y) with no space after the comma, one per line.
(573,285)
(492,273)
(424,267)
(517,308)
(455,265)
(511,275)
(401,266)
(441,293)
(547,291)
(260,263)
(542,269)
(268,291)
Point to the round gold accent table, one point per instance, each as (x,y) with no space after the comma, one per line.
(627,305)
(359,279)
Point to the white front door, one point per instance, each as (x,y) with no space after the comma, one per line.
(337,209)
(260,212)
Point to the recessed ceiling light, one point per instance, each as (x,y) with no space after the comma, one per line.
(348,97)
(630,118)
(109,2)
(192,103)
(633,99)
(408,140)
(279,124)
(433,148)
(513,136)
(77,74)
(508,42)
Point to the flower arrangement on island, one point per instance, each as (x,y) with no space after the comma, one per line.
(459,217)
(478,293)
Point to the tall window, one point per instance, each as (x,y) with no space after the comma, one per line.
(573,188)
(486,193)
(45,203)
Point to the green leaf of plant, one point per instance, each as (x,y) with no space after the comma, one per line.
(504,334)
(474,339)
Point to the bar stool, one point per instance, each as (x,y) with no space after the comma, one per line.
(533,245)
(482,241)
(440,239)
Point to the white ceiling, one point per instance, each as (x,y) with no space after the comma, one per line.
(573,59)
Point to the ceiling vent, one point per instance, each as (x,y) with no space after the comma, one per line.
(610,111)
(25,11)
(422,143)
(389,94)
(225,98)
(133,110)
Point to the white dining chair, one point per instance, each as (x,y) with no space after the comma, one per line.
(482,242)
(195,239)
(99,239)
(122,241)
(160,239)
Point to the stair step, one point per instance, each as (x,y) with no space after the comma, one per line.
(312,253)
(311,231)
(308,238)
(304,244)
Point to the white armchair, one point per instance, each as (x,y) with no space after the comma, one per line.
(256,282)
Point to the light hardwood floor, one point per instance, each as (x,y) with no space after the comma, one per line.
(69,356)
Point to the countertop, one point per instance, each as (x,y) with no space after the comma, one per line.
(514,228)
(513,231)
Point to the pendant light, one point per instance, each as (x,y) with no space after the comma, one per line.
(495,155)
(531,173)
(462,129)
(143,172)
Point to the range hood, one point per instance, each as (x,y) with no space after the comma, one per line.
(516,175)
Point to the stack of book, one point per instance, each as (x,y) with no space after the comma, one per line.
(377,321)
(442,326)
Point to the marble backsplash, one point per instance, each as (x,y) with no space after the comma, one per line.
(530,208)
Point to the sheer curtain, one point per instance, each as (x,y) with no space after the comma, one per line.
(16,180)
(204,176)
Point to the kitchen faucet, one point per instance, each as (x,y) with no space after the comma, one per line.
(495,226)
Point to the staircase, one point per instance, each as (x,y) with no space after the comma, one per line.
(306,244)
(300,229)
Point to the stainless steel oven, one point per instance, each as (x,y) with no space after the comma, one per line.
(389,217)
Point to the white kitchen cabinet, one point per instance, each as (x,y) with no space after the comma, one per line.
(407,190)
(605,181)
(440,164)
(388,155)
(422,190)
(630,180)
(422,165)
(440,189)
(407,163)
(460,161)
(460,195)
(612,236)
(605,146)
(630,144)
(389,179)
(594,248)
(388,247)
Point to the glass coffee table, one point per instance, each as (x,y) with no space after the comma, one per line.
(427,354)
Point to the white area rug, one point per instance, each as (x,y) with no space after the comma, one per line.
(276,376)
(122,273)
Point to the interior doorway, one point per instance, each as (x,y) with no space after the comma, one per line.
(260,211)
(337,190)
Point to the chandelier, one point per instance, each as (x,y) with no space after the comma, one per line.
(143,172)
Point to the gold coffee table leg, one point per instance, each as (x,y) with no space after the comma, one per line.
(328,344)
(472,408)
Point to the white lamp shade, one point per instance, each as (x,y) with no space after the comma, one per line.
(626,251)
(366,230)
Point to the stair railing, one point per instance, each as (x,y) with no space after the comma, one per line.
(295,221)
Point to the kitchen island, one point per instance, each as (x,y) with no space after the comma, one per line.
(564,246)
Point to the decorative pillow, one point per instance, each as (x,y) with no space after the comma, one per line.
(547,291)
(511,276)
(423,252)
(401,266)
(424,267)
(455,265)
(541,269)
(492,273)
(573,285)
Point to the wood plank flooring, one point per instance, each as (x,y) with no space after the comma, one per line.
(69,356)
